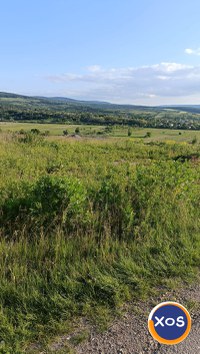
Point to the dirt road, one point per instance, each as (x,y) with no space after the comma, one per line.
(129,335)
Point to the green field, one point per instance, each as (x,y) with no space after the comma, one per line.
(88,224)
(102,131)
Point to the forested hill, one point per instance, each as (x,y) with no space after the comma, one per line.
(65,110)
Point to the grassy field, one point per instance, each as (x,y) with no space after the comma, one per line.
(102,131)
(88,224)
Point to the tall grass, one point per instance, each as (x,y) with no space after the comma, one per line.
(88,225)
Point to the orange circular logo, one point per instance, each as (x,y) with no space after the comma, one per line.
(169,323)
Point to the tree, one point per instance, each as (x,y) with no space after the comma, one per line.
(35,131)
(129,132)
(65,132)
(148,135)
(194,140)
(77,130)
(108,129)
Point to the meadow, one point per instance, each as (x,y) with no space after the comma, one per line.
(88,224)
(98,131)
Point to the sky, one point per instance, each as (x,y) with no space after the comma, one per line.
(132,51)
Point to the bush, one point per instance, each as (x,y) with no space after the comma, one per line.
(31,138)
(58,200)
(113,206)
(148,135)
(54,201)
(35,131)
(194,140)
(46,133)
(65,132)
(129,132)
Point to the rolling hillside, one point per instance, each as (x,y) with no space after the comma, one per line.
(15,107)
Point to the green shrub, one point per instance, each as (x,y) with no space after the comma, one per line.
(53,201)
(31,138)
(59,200)
(113,206)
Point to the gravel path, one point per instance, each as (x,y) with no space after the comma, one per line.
(129,335)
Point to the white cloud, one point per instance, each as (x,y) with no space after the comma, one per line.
(154,84)
(170,67)
(94,68)
(192,51)
(162,77)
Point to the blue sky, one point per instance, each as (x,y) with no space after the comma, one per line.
(131,51)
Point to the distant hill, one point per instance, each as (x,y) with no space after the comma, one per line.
(42,99)
(64,100)
(11,95)
(184,108)
(15,107)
